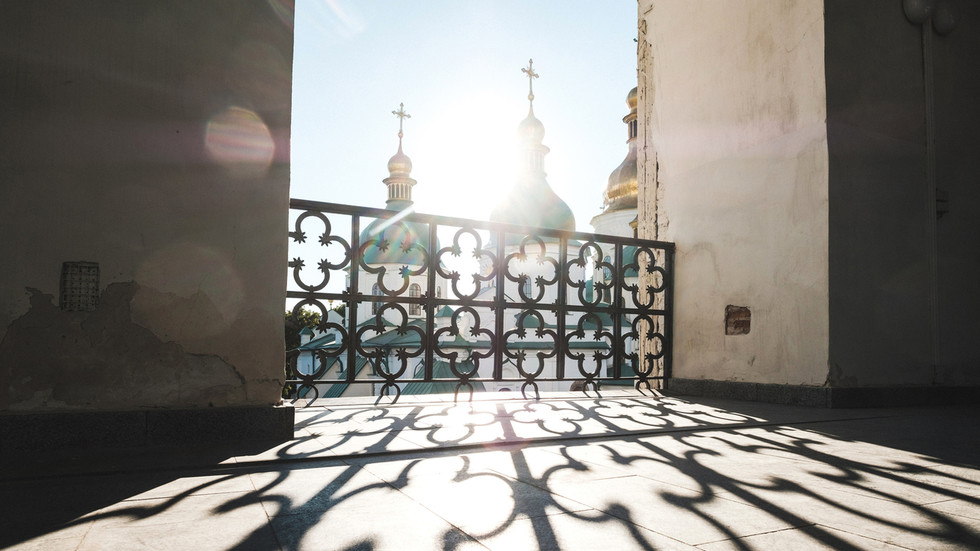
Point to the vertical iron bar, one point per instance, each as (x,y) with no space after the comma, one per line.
(617,306)
(430,306)
(668,314)
(352,296)
(498,317)
(561,308)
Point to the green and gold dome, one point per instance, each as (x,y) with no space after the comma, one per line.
(399,241)
(621,191)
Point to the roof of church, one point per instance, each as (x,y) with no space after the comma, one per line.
(401,242)
(444,312)
(441,370)
(326,341)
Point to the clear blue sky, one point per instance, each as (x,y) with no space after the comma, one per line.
(457,67)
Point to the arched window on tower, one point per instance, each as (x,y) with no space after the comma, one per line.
(376,291)
(414,291)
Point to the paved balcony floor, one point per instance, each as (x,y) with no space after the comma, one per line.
(624,470)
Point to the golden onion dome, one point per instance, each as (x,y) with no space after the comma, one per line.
(530,130)
(399,164)
(622,190)
(399,182)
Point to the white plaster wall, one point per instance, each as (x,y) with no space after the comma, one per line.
(152,138)
(616,222)
(733,169)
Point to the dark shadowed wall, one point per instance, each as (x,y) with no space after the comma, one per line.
(904,285)
(151,138)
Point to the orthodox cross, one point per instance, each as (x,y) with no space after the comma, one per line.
(531,75)
(402,115)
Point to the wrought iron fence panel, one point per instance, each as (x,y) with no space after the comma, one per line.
(443,304)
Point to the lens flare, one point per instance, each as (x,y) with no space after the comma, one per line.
(237,139)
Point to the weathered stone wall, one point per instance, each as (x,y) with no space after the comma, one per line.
(151,138)
(733,169)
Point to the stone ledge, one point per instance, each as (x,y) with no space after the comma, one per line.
(124,429)
(828,397)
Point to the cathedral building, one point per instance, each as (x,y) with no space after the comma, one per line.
(395,250)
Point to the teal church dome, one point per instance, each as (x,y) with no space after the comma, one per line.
(399,242)
(532,202)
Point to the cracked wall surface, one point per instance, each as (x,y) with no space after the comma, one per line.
(153,139)
(734,171)
(102,359)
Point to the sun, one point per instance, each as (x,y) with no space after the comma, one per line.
(464,158)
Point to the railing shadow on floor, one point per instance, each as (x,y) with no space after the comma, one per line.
(706,474)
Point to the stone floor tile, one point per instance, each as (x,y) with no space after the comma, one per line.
(441,467)
(903,524)
(204,533)
(306,446)
(363,419)
(863,478)
(482,503)
(356,443)
(669,460)
(543,467)
(955,475)
(902,487)
(455,435)
(587,531)
(968,509)
(48,543)
(475,413)
(210,508)
(679,513)
(197,485)
(806,538)
(289,491)
(375,520)
(58,508)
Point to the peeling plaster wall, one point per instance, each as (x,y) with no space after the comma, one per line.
(152,138)
(733,169)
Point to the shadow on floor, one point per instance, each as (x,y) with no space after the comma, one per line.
(622,473)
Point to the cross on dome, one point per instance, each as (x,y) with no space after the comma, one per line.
(402,115)
(531,75)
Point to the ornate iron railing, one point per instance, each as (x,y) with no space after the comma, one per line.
(435,303)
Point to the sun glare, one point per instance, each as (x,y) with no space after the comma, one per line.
(464,160)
